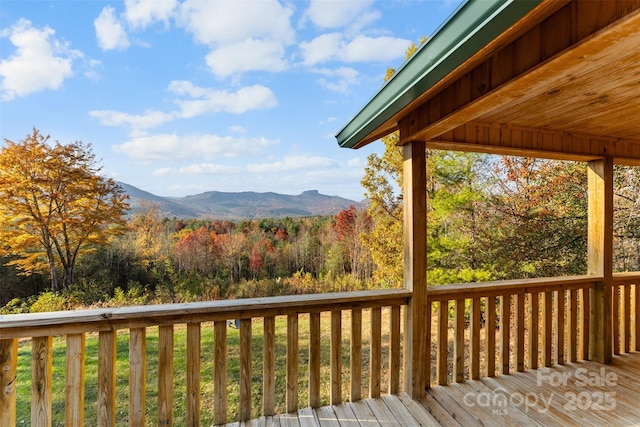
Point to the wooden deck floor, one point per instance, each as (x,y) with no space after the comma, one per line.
(578,394)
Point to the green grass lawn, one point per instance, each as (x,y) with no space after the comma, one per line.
(206,381)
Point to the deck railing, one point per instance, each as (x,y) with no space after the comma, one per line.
(40,328)
(500,327)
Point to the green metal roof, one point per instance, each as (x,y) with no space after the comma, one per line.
(471,27)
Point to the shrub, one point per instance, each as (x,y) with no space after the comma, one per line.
(49,301)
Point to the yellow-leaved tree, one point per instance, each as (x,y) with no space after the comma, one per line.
(54,206)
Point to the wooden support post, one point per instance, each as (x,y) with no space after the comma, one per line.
(600,256)
(8,367)
(415,269)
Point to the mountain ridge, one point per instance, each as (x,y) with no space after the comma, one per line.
(239,205)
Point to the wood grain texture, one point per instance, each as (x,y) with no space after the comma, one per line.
(193,374)
(220,372)
(414,182)
(74,391)
(314,360)
(394,349)
(356,355)
(106,379)
(292,363)
(165,376)
(336,357)
(8,369)
(600,256)
(458,341)
(244,412)
(375,366)
(77,321)
(505,333)
(491,336)
(137,376)
(269,366)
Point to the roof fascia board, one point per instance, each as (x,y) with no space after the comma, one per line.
(474,25)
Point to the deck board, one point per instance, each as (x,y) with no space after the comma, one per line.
(572,402)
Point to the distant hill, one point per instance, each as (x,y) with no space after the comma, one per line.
(243,205)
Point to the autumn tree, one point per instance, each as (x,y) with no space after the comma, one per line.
(538,217)
(55,206)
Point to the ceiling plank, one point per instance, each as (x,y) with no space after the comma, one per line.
(613,41)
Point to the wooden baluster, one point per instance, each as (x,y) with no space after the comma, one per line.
(627,318)
(534,328)
(269,367)
(636,308)
(547,331)
(8,368)
(74,393)
(165,375)
(505,333)
(314,360)
(490,325)
(244,411)
(585,315)
(106,379)
(193,374)
(458,341)
(336,357)
(292,362)
(356,354)
(220,372)
(475,339)
(443,342)
(560,331)
(394,351)
(376,352)
(520,319)
(137,376)
(573,325)
(615,317)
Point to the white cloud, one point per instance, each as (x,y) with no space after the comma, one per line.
(321,49)
(213,22)
(141,13)
(203,146)
(39,62)
(237,129)
(343,78)
(109,31)
(339,13)
(247,55)
(364,48)
(201,101)
(333,47)
(149,119)
(199,169)
(293,163)
(248,98)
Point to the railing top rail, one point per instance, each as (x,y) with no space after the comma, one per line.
(503,287)
(64,322)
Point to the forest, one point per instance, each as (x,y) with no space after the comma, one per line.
(489,218)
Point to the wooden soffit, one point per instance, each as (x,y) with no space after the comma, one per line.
(563,82)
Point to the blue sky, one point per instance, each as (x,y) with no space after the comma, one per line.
(179,97)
